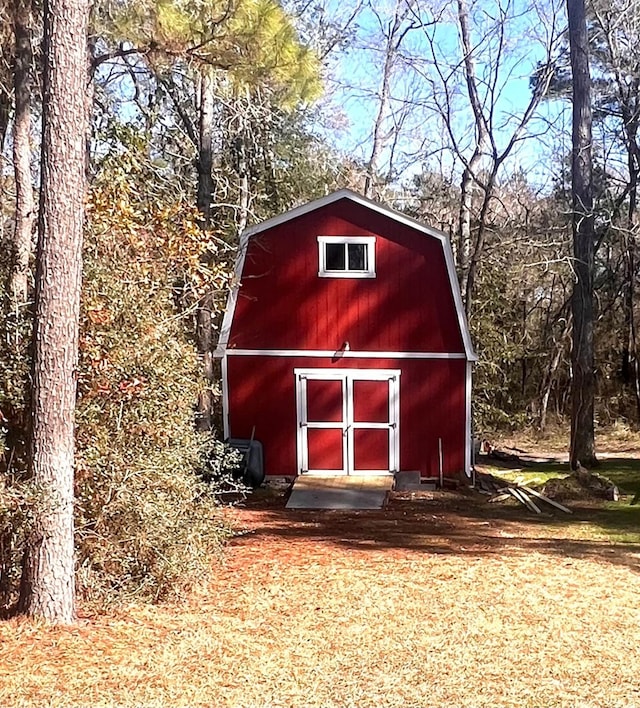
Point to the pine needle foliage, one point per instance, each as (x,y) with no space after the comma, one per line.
(253,41)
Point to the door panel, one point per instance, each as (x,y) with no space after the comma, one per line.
(324,401)
(370,449)
(325,449)
(370,401)
(348,420)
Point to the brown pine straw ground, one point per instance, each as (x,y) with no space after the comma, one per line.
(436,601)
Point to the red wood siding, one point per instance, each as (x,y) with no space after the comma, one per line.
(324,401)
(370,402)
(325,449)
(283,304)
(432,406)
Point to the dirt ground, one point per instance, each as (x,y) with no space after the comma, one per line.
(439,600)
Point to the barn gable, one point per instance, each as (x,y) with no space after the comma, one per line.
(277,241)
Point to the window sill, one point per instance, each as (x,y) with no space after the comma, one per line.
(346,274)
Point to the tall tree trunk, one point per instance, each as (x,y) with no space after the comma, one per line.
(205,145)
(48,585)
(547,382)
(469,184)
(204,330)
(582,357)
(463,249)
(477,249)
(394,40)
(25,209)
(242,168)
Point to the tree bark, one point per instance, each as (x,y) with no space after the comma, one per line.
(582,357)
(204,329)
(244,193)
(547,382)
(48,575)
(469,184)
(205,145)
(394,39)
(25,209)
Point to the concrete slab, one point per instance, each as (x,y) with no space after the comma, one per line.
(406,481)
(340,492)
(411,482)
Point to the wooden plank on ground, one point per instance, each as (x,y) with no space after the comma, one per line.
(498,498)
(524,499)
(549,501)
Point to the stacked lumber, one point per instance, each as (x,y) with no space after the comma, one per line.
(500,489)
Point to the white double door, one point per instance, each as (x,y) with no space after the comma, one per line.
(348,421)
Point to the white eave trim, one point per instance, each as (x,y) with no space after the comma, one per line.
(230,309)
(223,340)
(468,433)
(326,353)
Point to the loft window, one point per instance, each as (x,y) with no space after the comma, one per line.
(346,257)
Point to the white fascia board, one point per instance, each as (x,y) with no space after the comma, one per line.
(468,423)
(354,197)
(225,399)
(230,309)
(457,299)
(373,206)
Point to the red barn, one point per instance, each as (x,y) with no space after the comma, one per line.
(345,348)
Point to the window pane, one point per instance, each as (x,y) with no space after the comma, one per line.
(357,256)
(334,256)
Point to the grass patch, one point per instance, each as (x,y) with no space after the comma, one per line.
(619,522)
(623,472)
(613,522)
(543,472)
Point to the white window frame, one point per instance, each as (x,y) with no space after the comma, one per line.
(368,241)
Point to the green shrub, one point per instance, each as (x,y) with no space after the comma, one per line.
(146,522)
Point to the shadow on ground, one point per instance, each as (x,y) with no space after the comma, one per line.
(453,523)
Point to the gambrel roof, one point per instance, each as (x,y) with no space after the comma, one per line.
(356,198)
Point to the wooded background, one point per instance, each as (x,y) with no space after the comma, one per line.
(205,116)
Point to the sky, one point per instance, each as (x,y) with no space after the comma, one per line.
(427,64)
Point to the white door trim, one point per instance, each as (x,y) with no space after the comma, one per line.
(347,425)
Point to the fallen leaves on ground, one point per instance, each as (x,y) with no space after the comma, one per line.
(426,603)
